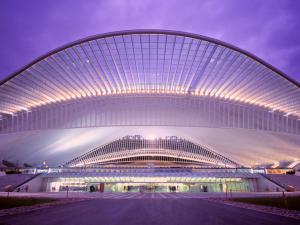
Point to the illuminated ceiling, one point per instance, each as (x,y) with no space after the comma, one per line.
(149,61)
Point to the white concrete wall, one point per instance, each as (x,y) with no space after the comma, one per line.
(35,185)
(264,185)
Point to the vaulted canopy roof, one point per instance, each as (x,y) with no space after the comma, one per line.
(149,61)
(135,148)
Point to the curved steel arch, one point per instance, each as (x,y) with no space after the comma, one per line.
(137,147)
(58,77)
(151,31)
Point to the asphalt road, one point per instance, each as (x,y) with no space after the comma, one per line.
(144,212)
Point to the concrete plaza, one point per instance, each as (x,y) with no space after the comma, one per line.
(145,208)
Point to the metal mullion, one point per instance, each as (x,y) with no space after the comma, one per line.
(294,112)
(293,98)
(201,59)
(230,78)
(191,66)
(187,56)
(30,94)
(228,64)
(270,82)
(80,84)
(108,67)
(132,78)
(108,86)
(115,65)
(277,90)
(198,81)
(13,97)
(101,84)
(269,95)
(86,87)
(244,66)
(253,72)
(63,71)
(266,78)
(38,83)
(126,78)
(63,79)
(179,59)
(209,74)
(260,79)
(43,80)
(87,78)
(291,108)
(277,103)
(164,61)
(143,61)
(156,67)
(136,67)
(53,86)
(292,95)
(150,71)
(167,81)
(7,108)
(231,69)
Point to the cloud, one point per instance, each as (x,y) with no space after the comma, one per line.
(268,29)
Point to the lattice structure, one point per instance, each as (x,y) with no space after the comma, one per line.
(135,148)
(49,92)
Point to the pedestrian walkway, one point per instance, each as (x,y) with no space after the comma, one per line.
(137,195)
(115,195)
(147,195)
(146,209)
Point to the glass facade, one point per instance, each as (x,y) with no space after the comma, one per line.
(150,180)
(154,184)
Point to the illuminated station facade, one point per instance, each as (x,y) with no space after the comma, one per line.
(151,110)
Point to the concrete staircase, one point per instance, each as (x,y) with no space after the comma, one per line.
(15,180)
(289,182)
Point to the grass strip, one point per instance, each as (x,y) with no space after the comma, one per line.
(11,202)
(292,203)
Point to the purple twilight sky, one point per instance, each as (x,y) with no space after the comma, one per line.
(267,28)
